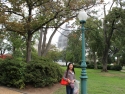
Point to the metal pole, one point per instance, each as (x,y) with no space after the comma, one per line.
(83,63)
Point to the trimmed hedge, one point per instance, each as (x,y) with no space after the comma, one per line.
(40,73)
(109,67)
(77,66)
(12,73)
(90,66)
(116,67)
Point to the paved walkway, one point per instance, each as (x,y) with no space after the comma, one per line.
(4,90)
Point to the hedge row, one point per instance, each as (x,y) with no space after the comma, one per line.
(109,67)
(39,73)
(112,67)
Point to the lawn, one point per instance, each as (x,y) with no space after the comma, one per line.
(112,82)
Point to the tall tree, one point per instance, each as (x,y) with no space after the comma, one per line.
(73,50)
(111,25)
(94,39)
(5,46)
(29,16)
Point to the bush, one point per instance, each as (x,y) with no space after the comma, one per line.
(90,66)
(40,73)
(109,67)
(12,73)
(1,60)
(116,67)
(77,66)
(99,66)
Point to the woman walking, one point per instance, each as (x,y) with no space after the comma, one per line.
(69,76)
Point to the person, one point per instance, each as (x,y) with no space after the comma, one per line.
(69,76)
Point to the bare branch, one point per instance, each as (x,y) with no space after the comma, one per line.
(112,5)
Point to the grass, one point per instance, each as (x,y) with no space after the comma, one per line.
(112,82)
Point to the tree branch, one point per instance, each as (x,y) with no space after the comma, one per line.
(111,33)
(50,39)
(9,11)
(39,27)
(112,5)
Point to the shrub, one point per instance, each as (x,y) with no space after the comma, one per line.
(1,60)
(40,73)
(109,67)
(116,67)
(90,66)
(99,66)
(12,73)
(77,66)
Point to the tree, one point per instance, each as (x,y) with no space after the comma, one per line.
(111,25)
(4,45)
(32,15)
(53,53)
(73,50)
(94,39)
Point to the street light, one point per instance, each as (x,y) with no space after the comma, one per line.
(83,17)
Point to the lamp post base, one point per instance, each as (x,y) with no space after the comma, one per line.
(83,85)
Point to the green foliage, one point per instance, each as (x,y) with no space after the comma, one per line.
(73,50)
(77,66)
(109,67)
(54,55)
(46,14)
(90,66)
(116,67)
(94,36)
(12,73)
(40,73)
(1,60)
(99,66)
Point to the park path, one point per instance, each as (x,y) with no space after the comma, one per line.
(30,90)
(4,90)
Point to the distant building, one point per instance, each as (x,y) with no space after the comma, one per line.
(63,38)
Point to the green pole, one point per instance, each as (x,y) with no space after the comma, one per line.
(83,63)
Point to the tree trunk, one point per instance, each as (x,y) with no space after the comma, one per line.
(94,58)
(118,61)
(28,47)
(1,52)
(107,38)
(105,57)
(49,42)
(104,69)
(40,43)
(66,63)
(44,42)
(14,49)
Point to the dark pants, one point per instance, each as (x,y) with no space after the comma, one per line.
(69,90)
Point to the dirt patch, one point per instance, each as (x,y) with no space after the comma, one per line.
(46,90)
(4,90)
(30,90)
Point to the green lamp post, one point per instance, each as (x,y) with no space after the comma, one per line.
(83,17)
